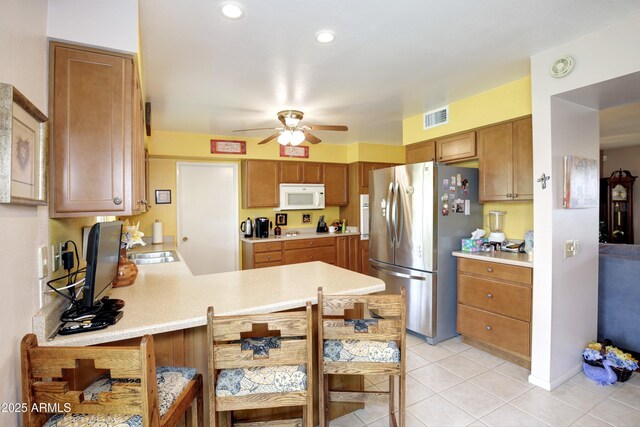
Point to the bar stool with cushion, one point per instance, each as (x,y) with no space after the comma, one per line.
(132,391)
(349,344)
(261,361)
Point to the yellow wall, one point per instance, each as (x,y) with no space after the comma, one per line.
(166,148)
(505,102)
(502,103)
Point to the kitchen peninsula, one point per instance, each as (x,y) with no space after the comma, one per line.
(168,301)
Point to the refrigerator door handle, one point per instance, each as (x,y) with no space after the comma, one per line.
(393,273)
(388,214)
(399,218)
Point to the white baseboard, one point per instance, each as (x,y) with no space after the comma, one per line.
(550,385)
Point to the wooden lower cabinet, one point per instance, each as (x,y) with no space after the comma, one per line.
(494,308)
(347,252)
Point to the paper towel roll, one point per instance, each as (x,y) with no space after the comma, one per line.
(157,232)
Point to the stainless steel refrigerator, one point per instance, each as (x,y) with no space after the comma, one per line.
(418,215)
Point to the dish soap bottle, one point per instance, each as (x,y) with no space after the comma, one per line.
(344,226)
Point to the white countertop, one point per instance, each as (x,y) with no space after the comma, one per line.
(167,297)
(511,258)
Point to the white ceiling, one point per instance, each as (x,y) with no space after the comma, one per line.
(391,59)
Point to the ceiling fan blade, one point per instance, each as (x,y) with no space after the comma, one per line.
(312,139)
(244,130)
(328,127)
(269,138)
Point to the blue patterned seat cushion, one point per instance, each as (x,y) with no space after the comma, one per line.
(361,351)
(263,379)
(171,381)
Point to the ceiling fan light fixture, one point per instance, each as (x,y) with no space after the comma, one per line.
(297,137)
(232,10)
(285,137)
(325,36)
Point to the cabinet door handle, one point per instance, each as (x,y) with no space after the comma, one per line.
(185,238)
(489,295)
(268,246)
(488,328)
(489,269)
(117,200)
(310,243)
(516,196)
(509,195)
(268,256)
(310,256)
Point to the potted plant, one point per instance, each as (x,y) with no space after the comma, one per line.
(623,364)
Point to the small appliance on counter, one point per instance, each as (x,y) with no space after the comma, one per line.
(496,225)
(247,228)
(322,226)
(262,227)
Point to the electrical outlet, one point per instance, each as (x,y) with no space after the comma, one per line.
(43,262)
(56,256)
(570,248)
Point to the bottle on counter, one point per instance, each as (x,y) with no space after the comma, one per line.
(344,225)
(277,231)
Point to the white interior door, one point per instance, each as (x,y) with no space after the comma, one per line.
(207,202)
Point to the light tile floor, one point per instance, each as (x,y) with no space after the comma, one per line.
(453,384)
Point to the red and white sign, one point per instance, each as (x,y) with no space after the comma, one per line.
(219,146)
(291,151)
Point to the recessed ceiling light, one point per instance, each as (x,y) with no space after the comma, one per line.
(232,10)
(325,36)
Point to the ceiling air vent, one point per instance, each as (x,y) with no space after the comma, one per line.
(437,117)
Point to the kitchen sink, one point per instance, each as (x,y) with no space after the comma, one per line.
(159,257)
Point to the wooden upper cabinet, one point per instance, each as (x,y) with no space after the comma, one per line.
(363,170)
(419,152)
(95,142)
(522,160)
(312,173)
(290,172)
(456,148)
(505,155)
(301,172)
(336,184)
(260,183)
(495,165)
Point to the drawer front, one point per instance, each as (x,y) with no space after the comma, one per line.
(496,297)
(494,270)
(326,254)
(267,264)
(267,246)
(309,243)
(268,256)
(504,332)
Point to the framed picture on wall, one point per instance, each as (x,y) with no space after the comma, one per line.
(23,149)
(281,219)
(163,197)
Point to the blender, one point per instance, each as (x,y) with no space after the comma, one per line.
(496,225)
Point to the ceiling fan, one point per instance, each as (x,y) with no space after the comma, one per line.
(292,132)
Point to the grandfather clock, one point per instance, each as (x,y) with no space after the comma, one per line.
(620,206)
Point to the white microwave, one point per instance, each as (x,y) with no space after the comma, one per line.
(301,196)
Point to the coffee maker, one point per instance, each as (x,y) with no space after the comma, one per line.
(262,227)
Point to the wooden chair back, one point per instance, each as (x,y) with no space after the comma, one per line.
(44,386)
(296,348)
(337,314)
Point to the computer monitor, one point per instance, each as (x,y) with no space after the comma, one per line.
(103,253)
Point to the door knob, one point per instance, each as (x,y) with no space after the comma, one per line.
(185,238)
(488,328)
(117,200)
(489,295)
